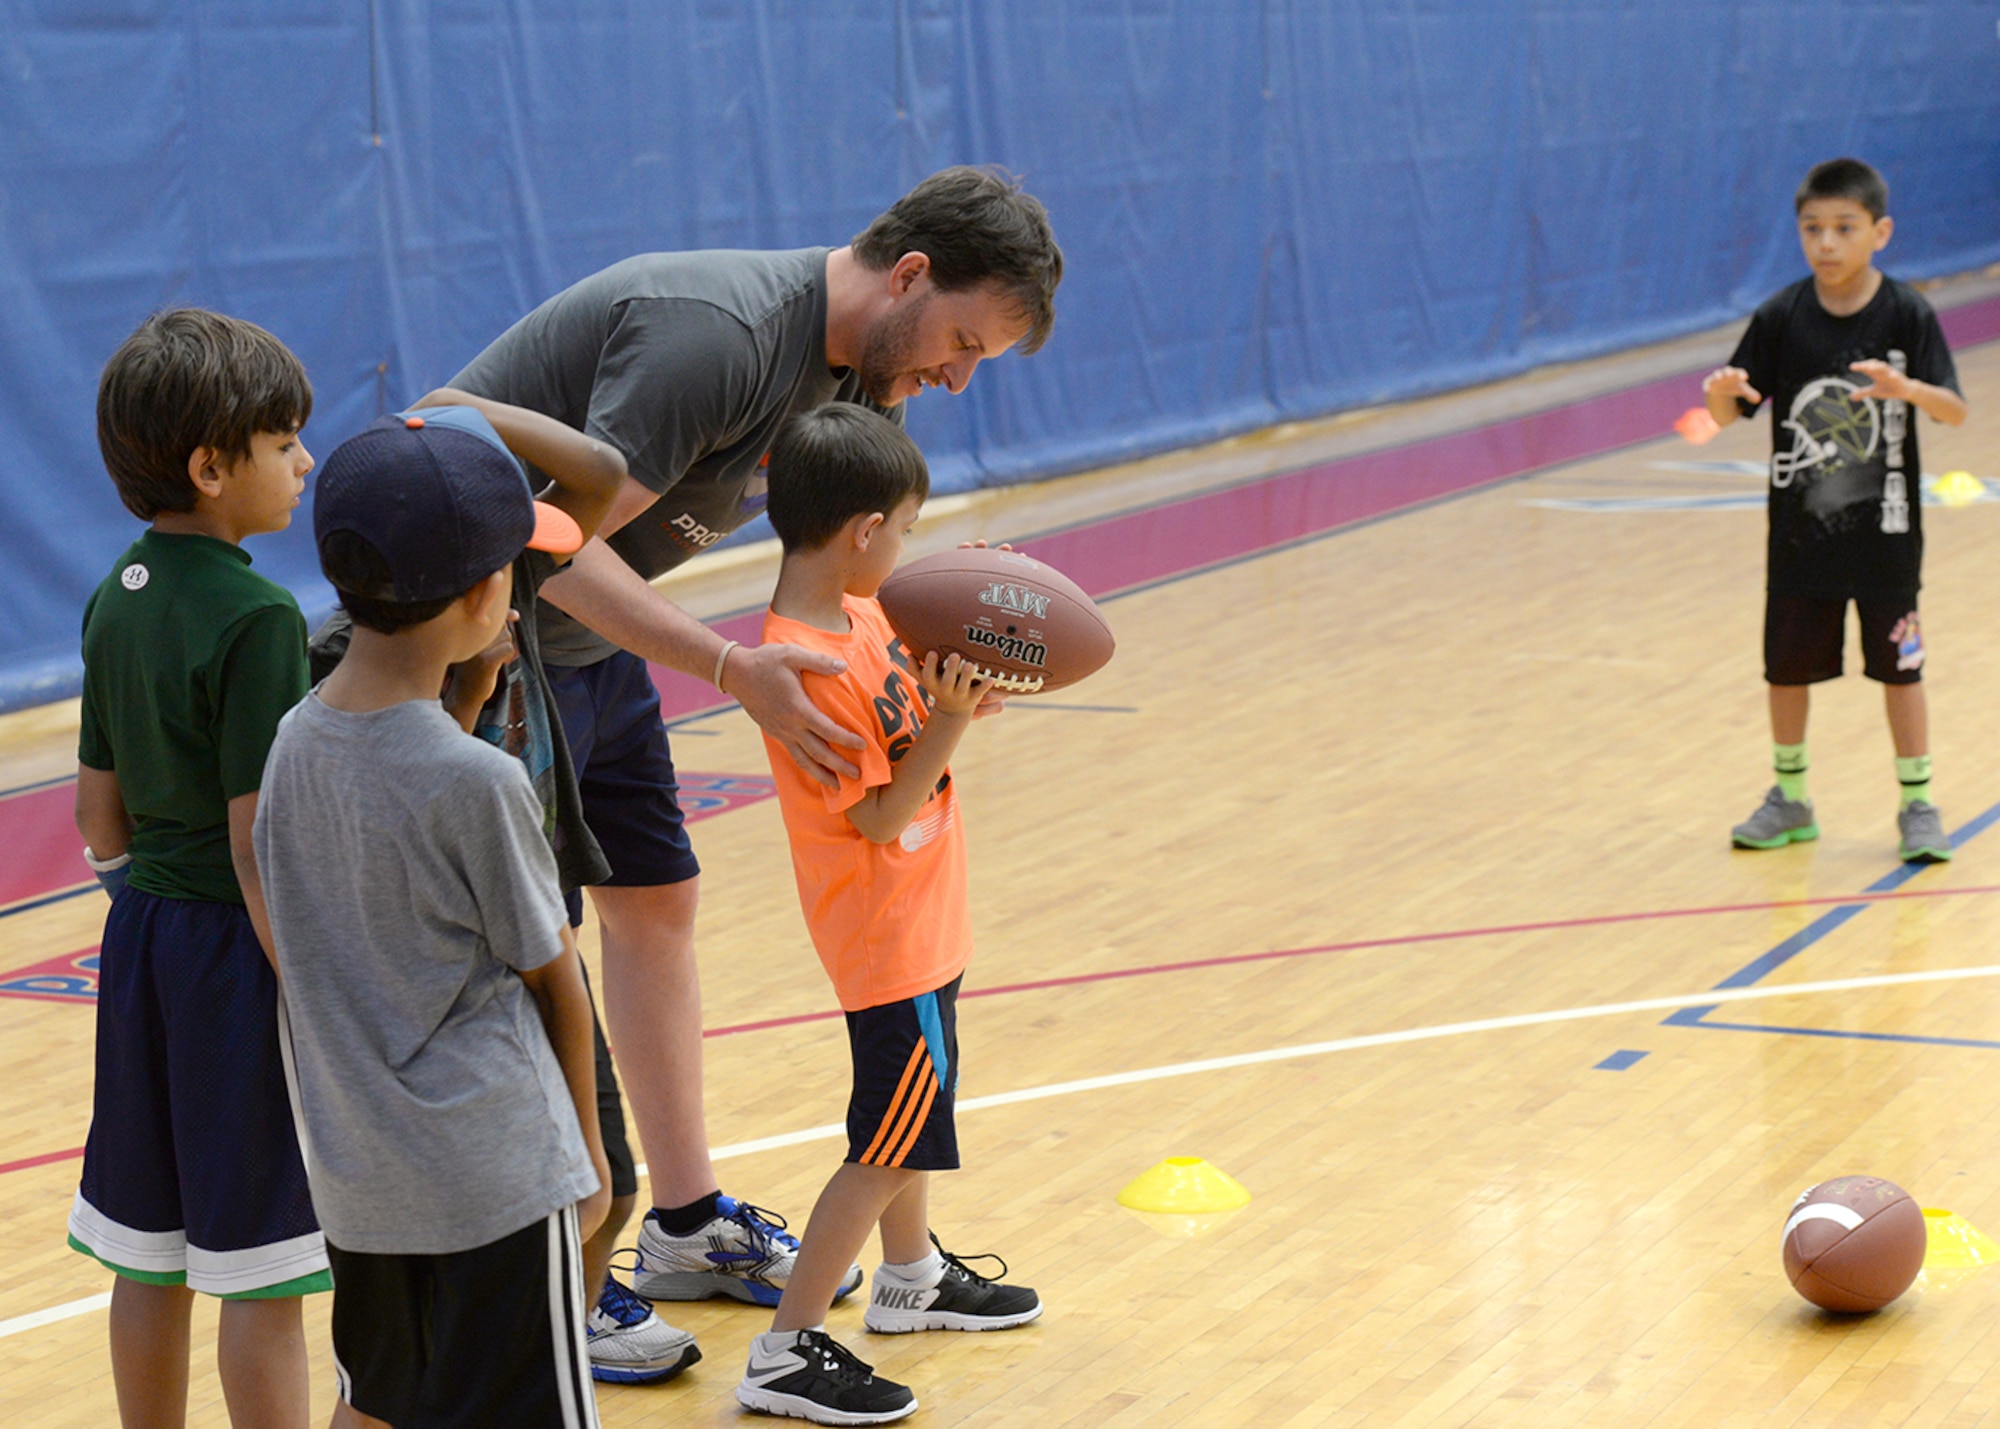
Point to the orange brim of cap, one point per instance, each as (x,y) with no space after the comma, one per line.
(556,531)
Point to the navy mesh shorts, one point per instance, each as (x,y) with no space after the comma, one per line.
(611,715)
(192,1173)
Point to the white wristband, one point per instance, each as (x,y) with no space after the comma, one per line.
(721,656)
(105,865)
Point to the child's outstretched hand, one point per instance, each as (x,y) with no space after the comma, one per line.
(955,687)
(469,684)
(1885,381)
(1730,382)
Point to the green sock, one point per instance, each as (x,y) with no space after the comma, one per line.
(1790,761)
(1915,776)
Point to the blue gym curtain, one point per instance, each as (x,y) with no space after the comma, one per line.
(1271,210)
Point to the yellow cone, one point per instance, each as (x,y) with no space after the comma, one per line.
(1955,1243)
(1958,488)
(1182,1186)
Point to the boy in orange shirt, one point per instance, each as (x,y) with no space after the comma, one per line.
(881,871)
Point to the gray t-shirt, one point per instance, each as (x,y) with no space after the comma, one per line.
(688,363)
(408,879)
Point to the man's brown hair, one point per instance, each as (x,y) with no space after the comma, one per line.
(978,228)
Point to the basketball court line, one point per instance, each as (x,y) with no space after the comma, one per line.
(21,1324)
(1853,902)
(1812,933)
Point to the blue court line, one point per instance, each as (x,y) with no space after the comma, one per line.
(1618,1061)
(46,899)
(1760,968)
(43,784)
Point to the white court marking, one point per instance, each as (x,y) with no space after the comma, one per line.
(20,1324)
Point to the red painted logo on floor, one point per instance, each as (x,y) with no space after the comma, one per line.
(69,978)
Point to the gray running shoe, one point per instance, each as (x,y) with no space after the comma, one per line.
(629,1343)
(744,1253)
(1777,822)
(1924,839)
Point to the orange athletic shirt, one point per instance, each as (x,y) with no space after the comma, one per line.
(890,921)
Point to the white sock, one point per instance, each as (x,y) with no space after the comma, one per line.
(785,1339)
(922,1273)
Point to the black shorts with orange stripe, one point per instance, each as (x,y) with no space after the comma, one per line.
(905,1082)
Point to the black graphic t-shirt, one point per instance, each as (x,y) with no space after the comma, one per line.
(1846,513)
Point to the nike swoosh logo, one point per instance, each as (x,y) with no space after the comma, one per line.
(784,1361)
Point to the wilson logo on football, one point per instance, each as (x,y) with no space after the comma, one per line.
(1008,647)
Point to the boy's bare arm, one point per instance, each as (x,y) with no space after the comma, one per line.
(1887,383)
(588,473)
(564,1003)
(100,813)
(886,810)
(242,816)
(1721,388)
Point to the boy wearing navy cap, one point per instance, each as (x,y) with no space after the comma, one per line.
(440,1026)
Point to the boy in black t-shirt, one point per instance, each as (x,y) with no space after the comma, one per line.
(1843,355)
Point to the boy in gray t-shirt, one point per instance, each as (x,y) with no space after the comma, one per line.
(440,1027)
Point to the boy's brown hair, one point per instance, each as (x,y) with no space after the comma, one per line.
(836,462)
(191,378)
(1845,178)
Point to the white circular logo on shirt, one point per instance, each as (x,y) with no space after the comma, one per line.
(134,576)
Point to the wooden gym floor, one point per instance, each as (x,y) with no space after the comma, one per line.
(1387,868)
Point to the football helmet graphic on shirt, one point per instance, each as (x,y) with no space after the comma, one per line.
(1829,428)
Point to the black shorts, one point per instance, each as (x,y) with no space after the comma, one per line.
(1803,636)
(487,1336)
(905,1082)
(611,715)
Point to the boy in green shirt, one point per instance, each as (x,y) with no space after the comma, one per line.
(192,1177)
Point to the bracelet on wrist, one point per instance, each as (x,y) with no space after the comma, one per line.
(721,657)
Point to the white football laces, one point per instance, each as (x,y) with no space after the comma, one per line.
(1008,684)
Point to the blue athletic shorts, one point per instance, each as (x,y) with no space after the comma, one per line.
(905,1082)
(192,1173)
(618,742)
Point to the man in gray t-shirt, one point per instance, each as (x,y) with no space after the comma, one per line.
(688,363)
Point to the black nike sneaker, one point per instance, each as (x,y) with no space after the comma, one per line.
(962,1299)
(806,1374)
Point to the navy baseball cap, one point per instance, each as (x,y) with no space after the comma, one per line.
(437,494)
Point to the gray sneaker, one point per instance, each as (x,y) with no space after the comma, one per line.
(1777,822)
(1924,839)
(630,1344)
(744,1253)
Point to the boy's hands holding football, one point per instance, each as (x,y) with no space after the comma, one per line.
(955,687)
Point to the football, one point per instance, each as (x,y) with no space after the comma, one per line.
(1854,1243)
(1027,626)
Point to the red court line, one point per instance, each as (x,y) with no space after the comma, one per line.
(1319,950)
(1400,941)
(43,1160)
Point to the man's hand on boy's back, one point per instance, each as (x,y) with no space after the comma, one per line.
(765,680)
